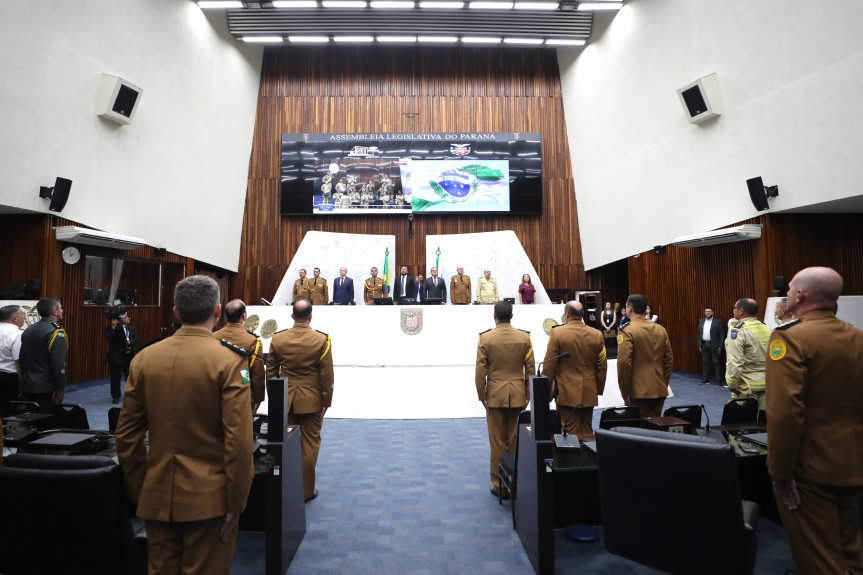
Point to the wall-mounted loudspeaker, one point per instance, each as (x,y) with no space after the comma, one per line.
(58,195)
(759,193)
(659,250)
(118,99)
(700,99)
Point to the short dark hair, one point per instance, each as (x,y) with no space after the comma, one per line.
(748,305)
(503,311)
(7,311)
(638,303)
(572,310)
(195,298)
(302,309)
(46,305)
(234,310)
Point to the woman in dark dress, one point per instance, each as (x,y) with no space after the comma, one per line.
(526,290)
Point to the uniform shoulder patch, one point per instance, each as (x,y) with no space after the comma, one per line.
(234,347)
(733,334)
(788,325)
(777,349)
(739,324)
(619,338)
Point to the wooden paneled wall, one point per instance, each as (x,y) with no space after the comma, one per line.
(349,89)
(684,280)
(29,246)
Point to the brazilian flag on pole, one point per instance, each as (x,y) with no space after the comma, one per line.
(387,271)
(437,261)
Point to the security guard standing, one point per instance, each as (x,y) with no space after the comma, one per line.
(318,289)
(373,287)
(486,289)
(581,376)
(745,352)
(234,332)
(459,288)
(644,360)
(43,356)
(190,395)
(504,362)
(815,428)
(301,287)
(305,356)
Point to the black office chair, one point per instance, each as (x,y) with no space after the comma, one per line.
(83,499)
(689,413)
(18,407)
(739,411)
(113,418)
(69,416)
(620,417)
(703,519)
(506,471)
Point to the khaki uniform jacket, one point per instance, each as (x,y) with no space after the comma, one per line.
(486,290)
(373,288)
(504,362)
(188,392)
(815,401)
(644,360)
(459,289)
(238,335)
(745,352)
(305,356)
(302,290)
(581,376)
(320,292)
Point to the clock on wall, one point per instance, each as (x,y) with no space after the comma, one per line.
(71,255)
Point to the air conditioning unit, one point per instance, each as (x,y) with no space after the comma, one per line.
(723,236)
(76,235)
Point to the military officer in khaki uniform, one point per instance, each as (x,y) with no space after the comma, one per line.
(745,352)
(234,332)
(644,360)
(318,289)
(459,287)
(301,287)
(581,376)
(305,356)
(191,394)
(486,289)
(815,427)
(373,287)
(504,362)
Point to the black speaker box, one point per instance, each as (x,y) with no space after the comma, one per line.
(756,194)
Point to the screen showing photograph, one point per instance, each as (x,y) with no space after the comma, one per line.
(456,185)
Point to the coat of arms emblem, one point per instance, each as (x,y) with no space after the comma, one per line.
(411,321)
(459,149)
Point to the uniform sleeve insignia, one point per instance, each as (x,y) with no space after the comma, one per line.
(244,373)
(733,334)
(777,349)
(788,325)
(619,338)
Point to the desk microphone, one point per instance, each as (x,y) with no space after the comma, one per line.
(266,302)
(713,434)
(563,355)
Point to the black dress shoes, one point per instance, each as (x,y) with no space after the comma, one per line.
(312,496)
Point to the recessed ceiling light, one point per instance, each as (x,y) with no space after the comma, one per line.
(308,39)
(522,40)
(564,42)
(263,39)
(491,5)
(343,4)
(397,38)
(353,38)
(392,4)
(480,40)
(295,4)
(438,39)
(433,4)
(536,5)
(600,5)
(219,4)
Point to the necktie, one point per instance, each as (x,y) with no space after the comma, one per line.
(316,281)
(435,282)
(343,283)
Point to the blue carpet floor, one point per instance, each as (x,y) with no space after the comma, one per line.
(411,496)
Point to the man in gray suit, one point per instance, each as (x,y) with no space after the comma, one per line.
(710,337)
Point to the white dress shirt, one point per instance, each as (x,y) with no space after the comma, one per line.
(705,333)
(10,346)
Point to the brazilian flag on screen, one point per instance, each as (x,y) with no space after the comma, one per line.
(387,271)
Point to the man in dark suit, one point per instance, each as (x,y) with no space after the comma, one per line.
(122,339)
(434,287)
(710,337)
(418,286)
(343,289)
(404,286)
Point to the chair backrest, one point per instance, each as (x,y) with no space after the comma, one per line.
(697,527)
(524,417)
(88,506)
(19,407)
(690,413)
(629,416)
(113,418)
(70,416)
(740,411)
